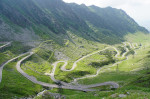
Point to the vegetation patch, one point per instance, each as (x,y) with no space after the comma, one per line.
(15,85)
(37,67)
(17,48)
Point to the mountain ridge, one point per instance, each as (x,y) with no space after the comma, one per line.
(50,19)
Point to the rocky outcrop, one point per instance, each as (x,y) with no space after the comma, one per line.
(48,95)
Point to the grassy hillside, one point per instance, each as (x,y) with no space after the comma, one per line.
(28,20)
(56,31)
(132,75)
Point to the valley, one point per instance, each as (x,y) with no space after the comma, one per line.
(97,79)
(50,49)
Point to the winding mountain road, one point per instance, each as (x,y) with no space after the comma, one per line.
(63,68)
(2,66)
(118,53)
(62,84)
(98,71)
(135,45)
(127,50)
(129,44)
(87,76)
(5,45)
(82,88)
(74,66)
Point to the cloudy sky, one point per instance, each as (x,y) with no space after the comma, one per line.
(137,9)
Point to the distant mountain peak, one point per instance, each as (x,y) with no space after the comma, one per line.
(51,18)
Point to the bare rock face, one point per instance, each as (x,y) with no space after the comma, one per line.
(114,95)
(51,19)
(9,33)
(60,56)
(122,95)
(95,94)
(127,93)
(5,31)
(48,95)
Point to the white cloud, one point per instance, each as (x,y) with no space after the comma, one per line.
(137,9)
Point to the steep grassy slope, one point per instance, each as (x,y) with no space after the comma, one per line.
(61,31)
(132,76)
(28,20)
(15,85)
(135,82)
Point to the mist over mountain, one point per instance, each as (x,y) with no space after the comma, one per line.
(25,20)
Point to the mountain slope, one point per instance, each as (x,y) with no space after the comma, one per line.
(25,20)
(115,20)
